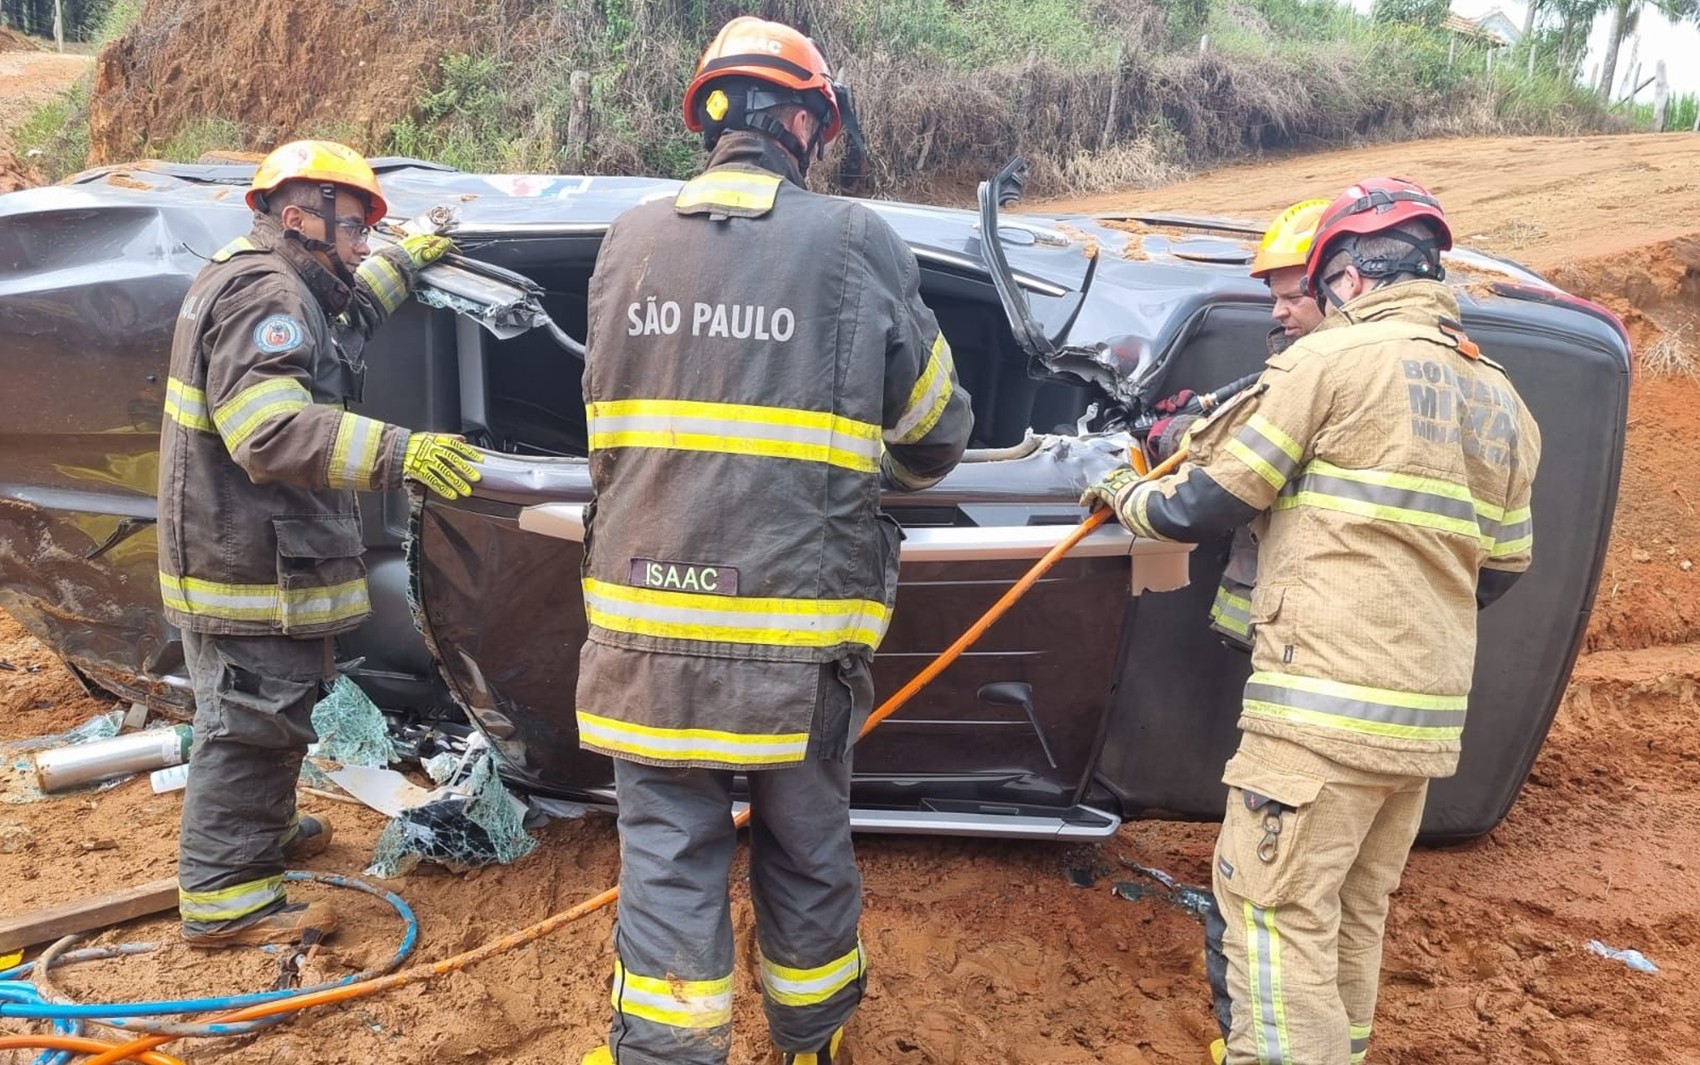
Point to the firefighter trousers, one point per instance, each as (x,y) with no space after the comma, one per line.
(1309,853)
(673,951)
(254,698)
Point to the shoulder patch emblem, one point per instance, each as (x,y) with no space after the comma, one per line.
(278,333)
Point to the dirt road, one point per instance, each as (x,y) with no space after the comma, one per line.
(982,952)
(29,79)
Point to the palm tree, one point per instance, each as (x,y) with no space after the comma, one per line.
(1624,15)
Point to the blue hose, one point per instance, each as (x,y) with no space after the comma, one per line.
(14,991)
(123,1014)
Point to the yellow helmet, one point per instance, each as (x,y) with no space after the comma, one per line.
(1287,241)
(324,162)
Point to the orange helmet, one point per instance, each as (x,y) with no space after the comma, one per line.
(753,64)
(1288,239)
(322,162)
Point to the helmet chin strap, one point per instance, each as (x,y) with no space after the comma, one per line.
(326,213)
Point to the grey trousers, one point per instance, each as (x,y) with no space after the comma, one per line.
(254,699)
(673,942)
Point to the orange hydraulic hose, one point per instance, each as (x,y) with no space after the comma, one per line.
(598,901)
(80,1045)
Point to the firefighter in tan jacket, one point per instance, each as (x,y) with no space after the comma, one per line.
(1398,462)
(759,362)
(259,535)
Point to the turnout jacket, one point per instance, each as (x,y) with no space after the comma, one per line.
(259,533)
(759,357)
(1397,465)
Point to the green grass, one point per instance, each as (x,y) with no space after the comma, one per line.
(59,131)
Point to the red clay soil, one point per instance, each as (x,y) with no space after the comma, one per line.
(346,70)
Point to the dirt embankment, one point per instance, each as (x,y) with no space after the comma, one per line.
(29,77)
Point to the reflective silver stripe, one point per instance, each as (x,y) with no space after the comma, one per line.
(1232,612)
(227,904)
(1356,708)
(250,408)
(354,455)
(1270,453)
(672,1002)
(1360,1043)
(386,282)
(1516,536)
(315,606)
(264,602)
(735,428)
(928,399)
(675,425)
(1269,1009)
(810,987)
(1461,510)
(187,406)
(690,745)
(232,602)
(734,619)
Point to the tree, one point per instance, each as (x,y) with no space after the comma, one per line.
(1427,13)
(1624,14)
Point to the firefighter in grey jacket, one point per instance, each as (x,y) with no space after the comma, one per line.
(759,361)
(259,537)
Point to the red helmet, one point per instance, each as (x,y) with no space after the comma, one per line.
(770,52)
(752,65)
(1374,206)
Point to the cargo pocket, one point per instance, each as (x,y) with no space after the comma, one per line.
(321,580)
(891,553)
(1269,813)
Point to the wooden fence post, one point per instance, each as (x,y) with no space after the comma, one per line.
(1661,97)
(578,120)
(1115,101)
(59,23)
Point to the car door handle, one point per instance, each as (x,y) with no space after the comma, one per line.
(1157,565)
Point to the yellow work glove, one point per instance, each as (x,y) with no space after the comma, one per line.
(423,249)
(1111,490)
(444,463)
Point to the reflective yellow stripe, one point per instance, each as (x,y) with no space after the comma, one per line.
(691,744)
(1360,1043)
(354,454)
(1516,535)
(1406,499)
(1268,1004)
(187,406)
(928,399)
(674,1003)
(810,987)
(732,189)
(239,244)
(734,619)
(1356,708)
(238,419)
(387,283)
(227,904)
(1267,449)
(265,602)
(1231,612)
(734,428)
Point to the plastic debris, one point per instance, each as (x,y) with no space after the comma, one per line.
(1195,900)
(441,768)
(350,727)
(465,826)
(1632,958)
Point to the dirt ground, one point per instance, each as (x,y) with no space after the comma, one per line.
(983,952)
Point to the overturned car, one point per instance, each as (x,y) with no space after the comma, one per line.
(1089,703)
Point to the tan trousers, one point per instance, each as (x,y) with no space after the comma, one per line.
(1309,852)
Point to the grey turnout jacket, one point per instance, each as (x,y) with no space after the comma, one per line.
(259,461)
(759,357)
